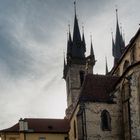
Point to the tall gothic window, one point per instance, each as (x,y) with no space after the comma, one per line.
(105,121)
(82,75)
(74,130)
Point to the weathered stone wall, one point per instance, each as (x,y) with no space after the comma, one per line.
(135,103)
(74,83)
(71,132)
(93,121)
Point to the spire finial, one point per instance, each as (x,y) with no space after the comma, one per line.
(75,6)
(91,38)
(69,27)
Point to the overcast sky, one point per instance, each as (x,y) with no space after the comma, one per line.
(33,37)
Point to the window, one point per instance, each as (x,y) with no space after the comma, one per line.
(42,138)
(74,130)
(82,75)
(105,121)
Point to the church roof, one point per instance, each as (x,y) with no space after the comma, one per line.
(42,126)
(97,88)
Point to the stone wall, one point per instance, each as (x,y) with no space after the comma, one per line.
(93,121)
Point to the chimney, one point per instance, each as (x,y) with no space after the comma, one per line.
(23,125)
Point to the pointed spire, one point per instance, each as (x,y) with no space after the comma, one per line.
(91,49)
(106,70)
(83,39)
(76,31)
(113,46)
(77,48)
(75,7)
(118,46)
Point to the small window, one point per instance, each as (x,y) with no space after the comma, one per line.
(42,138)
(74,130)
(82,75)
(105,121)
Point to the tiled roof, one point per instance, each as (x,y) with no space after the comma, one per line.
(97,88)
(42,126)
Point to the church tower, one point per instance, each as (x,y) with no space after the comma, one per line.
(76,64)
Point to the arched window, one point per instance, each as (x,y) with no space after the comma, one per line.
(82,75)
(126,64)
(105,121)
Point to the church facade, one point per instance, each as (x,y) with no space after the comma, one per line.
(99,107)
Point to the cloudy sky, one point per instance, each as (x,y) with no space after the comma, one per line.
(33,37)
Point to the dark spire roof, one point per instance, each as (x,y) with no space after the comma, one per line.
(106,69)
(118,39)
(77,50)
(119,45)
(76,31)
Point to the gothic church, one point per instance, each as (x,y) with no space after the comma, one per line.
(99,107)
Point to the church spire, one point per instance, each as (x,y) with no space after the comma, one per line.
(119,46)
(76,31)
(78,51)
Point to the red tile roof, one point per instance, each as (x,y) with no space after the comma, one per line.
(97,88)
(42,126)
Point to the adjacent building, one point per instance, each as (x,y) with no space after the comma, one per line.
(37,129)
